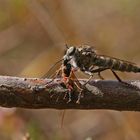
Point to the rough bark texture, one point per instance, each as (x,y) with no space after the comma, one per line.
(35,93)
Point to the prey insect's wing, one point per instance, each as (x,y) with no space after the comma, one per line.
(50,75)
(53,68)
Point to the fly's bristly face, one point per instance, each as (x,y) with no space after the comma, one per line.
(70,52)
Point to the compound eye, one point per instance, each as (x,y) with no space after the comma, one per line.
(71,51)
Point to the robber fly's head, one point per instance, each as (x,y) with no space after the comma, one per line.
(69,53)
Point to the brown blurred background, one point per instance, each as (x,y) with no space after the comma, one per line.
(32,38)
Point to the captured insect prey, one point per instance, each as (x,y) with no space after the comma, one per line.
(85,59)
(68,78)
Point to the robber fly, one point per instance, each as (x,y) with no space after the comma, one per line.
(88,61)
(85,59)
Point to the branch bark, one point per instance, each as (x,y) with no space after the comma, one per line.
(35,93)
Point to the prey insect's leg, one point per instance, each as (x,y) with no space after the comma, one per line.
(65,96)
(67,84)
(70,88)
(69,92)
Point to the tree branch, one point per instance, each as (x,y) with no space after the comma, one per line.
(35,93)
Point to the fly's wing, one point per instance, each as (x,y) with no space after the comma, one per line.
(52,71)
(128,62)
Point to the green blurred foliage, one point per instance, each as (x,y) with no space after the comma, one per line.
(34,131)
(4,20)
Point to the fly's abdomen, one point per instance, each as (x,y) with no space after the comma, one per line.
(124,66)
(116,64)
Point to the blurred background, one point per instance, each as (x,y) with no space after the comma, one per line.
(32,38)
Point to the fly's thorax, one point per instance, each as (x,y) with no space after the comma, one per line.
(84,58)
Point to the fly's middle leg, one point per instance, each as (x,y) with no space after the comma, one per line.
(99,70)
(100,76)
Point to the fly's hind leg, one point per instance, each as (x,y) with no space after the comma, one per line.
(117,77)
(125,83)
